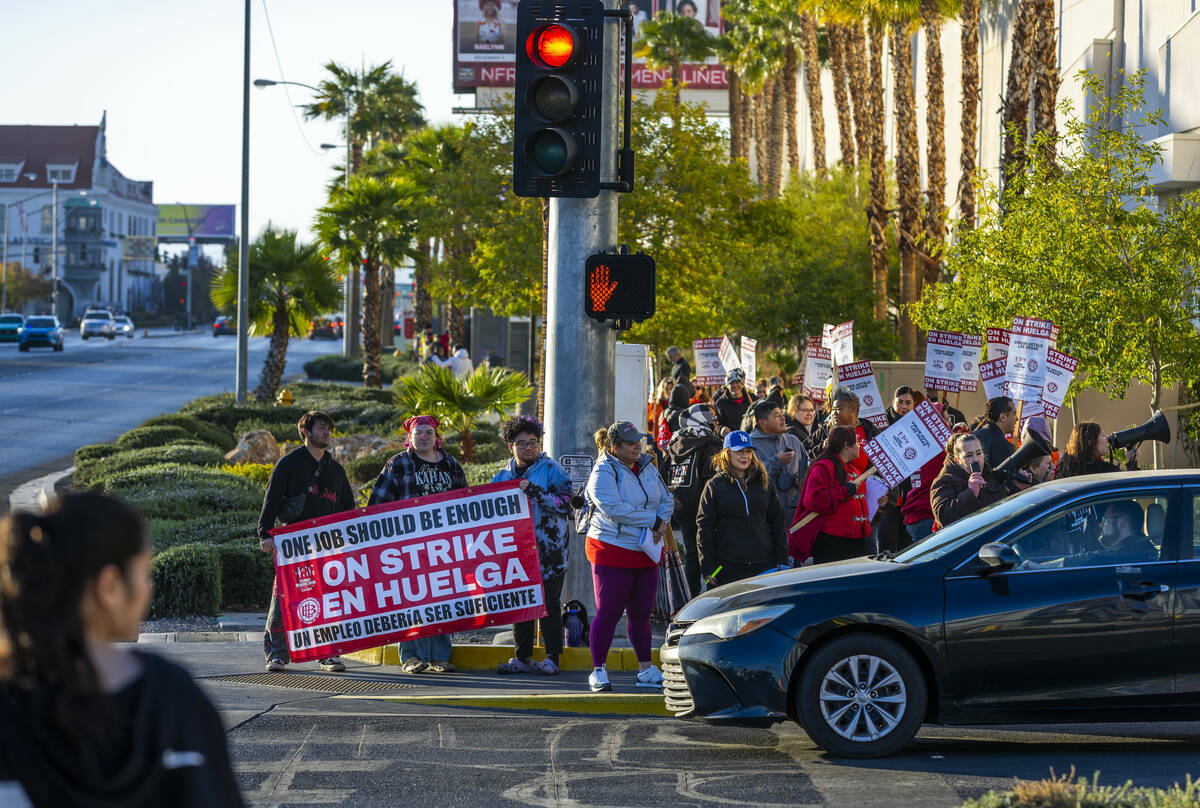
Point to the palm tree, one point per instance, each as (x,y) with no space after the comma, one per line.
(757,54)
(812,89)
(671,41)
(855,50)
(908,170)
(1016,98)
(838,45)
(935,131)
(1045,73)
(370,223)
(290,283)
(877,213)
(969,128)
(461,402)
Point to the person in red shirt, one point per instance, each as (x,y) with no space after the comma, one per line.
(844,412)
(841,527)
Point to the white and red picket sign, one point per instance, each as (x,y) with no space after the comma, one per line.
(1060,370)
(729,358)
(841,343)
(1028,345)
(997,343)
(859,377)
(749,358)
(402,570)
(972,347)
(899,451)
(943,352)
(818,370)
(709,369)
(992,374)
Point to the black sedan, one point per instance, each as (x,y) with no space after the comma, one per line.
(1074,601)
(224,325)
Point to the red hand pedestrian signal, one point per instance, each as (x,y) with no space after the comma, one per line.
(600,289)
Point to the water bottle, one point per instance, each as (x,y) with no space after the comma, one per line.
(574,627)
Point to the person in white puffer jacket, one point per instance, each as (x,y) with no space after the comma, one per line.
(460,362)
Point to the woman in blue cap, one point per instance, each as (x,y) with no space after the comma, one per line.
(742,529)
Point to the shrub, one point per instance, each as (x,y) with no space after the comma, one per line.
(180,492)
(224,411)
(255,472)
(218,436)
(324,395)
(280,430)
(95,451)
(349,369)
(214,528)
(101,473)
(1065,792)
(480,473)
(365,469)
(187,581)
(143,436)
(246,575)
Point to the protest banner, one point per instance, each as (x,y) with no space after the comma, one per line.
(972,346)
(1060,370)
(750,358)
(827,336)
(1025,372)
(992,373)
(942,352)
(709,370)
(859,377)
(729,358)
(841,343)
(997,343)
(402,570)
(1054,336)
(818,370)
(815,342)
(899,451)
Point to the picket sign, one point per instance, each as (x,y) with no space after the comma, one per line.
(1060,370)
(841,343)
(992,373)
(749,357)
(818,370)
(972,346)
(943,350)
(997,343)
(709,369)
(859,378)
(729,358)
(1028,346)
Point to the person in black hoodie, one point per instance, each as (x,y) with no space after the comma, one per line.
(961,488)
(742,528)
(677,406)
(89,720)
(732,401)
(999,420)
(686,468)
(802,422)
(310,472)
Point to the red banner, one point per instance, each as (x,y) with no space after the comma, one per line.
(402,570)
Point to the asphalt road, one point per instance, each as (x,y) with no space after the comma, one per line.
(52,403)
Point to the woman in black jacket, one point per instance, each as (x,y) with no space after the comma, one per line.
(1084,449)
(742,528)
(961,488)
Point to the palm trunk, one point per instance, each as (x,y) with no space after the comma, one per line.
(776,143)
(747,115)
(908,183)
(466,443)
(854,50)
(676,78)
(762,134)
(841,96)
(356,156)
(969,128)
(737,127)
(372,371)
(1045,77)
(790,69)
(877,212)
(812,90)
(422,276)
(276,360)
(458,325)
(935,128)
(1016,99)
(387,305)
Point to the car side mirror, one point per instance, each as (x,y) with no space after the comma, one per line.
(997,557)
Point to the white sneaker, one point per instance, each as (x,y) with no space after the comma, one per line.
(598,680)
(650,677)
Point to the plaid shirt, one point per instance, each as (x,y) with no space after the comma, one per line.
(398,480)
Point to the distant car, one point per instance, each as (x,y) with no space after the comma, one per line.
(9,324)
(123,327)
(45,331)
(97,323)
(224,325)
(328,326)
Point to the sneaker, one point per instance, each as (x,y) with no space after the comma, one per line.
(598,680)
(440,666)
(275,665)
(413,665)
(335,665)
(513,666)
(650,677)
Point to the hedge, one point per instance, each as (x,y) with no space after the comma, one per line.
(350,369)
(254,472)
(480,473)
(143,436)
(366,468)
(247,574)
(180,492)
(213,528)
(187,581)
(95,451)
(218,436)
(101,473)
(282,431)
(225,412)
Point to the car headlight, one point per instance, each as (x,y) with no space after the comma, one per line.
(727,625)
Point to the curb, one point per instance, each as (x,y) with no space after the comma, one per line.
(643,704)
(30,495)
(487,657)
(175,334)
(199,636)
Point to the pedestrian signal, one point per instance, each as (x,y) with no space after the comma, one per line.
(619,287)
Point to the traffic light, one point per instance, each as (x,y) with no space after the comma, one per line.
(37,255)
(556,128)
(619,287)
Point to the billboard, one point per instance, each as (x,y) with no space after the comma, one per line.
(139,248)
(204,222)
(485,44)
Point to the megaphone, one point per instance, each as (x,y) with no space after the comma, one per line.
(1033,447)
(1156,428)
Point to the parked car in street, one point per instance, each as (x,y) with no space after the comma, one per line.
(1073,601)
(97,323)
(224,325)
(9,324)
(41,331)
(123,327)
(326,326)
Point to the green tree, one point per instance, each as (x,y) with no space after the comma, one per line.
(290,283)
(461,402)
(25,286)
(370,223)
(1083,243)
(671,41)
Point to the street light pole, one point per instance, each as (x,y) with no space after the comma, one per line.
(243,315)
(4,283)
(54,247)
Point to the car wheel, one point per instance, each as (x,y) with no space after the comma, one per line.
(861,696)
(112,336)
(23,348)
(83,337)
(58,347)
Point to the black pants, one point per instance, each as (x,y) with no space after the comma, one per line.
(889,529)
(837,548)
(691,558)
(552,625)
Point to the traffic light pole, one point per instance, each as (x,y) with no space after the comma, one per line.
(580,352)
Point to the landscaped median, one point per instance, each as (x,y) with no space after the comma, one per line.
(1067,792)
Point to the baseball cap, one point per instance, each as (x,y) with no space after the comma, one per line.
(735,375)
(697,415)
(737,440)
(624,432)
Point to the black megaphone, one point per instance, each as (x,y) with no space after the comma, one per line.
(1035,446)
(1156,428)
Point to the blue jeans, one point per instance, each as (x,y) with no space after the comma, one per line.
(919,530)
(427,649)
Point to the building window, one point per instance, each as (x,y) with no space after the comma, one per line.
(46,218)
(8,175)
(60,173)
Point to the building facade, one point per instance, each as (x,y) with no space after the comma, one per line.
(57,188)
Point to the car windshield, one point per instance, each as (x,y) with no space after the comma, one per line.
(123,320)
(95,315)
(11,318)
(950,538)
(40,322)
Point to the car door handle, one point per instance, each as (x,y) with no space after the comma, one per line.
(1149,590)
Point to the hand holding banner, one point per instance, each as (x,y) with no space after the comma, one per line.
(942,352)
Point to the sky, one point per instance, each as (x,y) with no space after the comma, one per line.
(169,74)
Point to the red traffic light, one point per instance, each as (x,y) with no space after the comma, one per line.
(551,46)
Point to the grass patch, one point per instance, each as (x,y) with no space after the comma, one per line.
(1067,792)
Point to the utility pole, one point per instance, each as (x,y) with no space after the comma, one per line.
(54,247)
(580,352)
(4,263)
(243,314)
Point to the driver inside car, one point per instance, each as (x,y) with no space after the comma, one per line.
(1121,538)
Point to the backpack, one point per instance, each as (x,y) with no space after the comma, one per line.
(685,479)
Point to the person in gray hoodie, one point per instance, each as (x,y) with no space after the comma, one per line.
(780,451)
